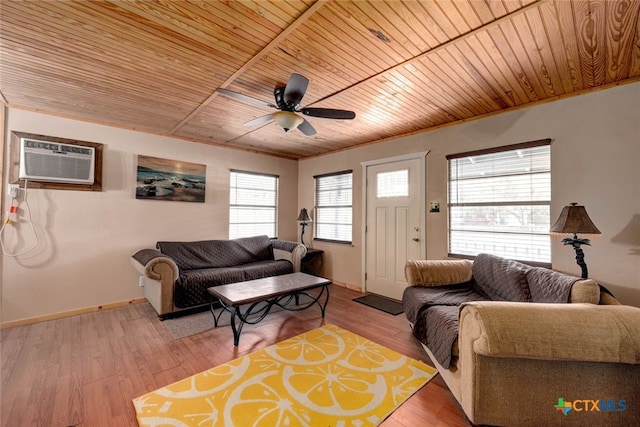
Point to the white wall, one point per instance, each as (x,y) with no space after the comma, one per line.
(595,161)
(87,238)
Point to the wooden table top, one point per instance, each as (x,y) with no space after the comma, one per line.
(241,293)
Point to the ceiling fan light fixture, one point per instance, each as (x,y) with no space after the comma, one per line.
(287,120)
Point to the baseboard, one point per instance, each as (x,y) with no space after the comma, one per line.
(347,285)
(38,319)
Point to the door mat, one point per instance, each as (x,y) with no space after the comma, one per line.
(381,303)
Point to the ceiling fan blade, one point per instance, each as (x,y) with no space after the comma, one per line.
(329,113)
(260,120)
(244,98)
(295,89)
(306,128)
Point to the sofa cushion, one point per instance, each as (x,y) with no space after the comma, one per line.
(217,253)
(262,269)
(415,299)
(501,279)
(437,328)
(191,288)
(433,312)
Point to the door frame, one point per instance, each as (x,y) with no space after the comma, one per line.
(422,156)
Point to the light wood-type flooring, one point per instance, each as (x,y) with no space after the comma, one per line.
(84,370)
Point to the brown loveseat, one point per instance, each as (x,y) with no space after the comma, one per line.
(530,346)
(176,275)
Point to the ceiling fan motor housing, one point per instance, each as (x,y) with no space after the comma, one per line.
(278,94)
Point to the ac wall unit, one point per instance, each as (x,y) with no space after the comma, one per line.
(56,162)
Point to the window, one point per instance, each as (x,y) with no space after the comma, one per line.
(393,184)
(333,220)
(499,202)
(253,205)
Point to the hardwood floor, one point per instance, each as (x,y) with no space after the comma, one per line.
(84,370)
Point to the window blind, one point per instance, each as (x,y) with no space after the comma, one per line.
(252,204)
(499,203)
(334,210)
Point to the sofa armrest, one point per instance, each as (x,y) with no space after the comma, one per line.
(290,251)
(585,291)
(572,332)
(149,262)
(437,272)
(163,272)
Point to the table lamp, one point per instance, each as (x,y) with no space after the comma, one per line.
(573,220)
(304,219)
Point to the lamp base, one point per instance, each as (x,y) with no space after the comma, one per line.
(303,225)
(581,263)
(576,243)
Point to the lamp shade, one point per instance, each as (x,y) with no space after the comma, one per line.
(304,216)
(573,220)
(287,120)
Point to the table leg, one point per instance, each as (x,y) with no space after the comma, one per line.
(223,307)
(236,331)
(213,312)
(326,300)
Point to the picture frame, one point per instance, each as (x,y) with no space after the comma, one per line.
(171,180)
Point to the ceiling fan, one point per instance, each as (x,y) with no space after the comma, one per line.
(288,100)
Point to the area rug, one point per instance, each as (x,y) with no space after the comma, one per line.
(326,377)
(186,326)
(381,303)
(192,324)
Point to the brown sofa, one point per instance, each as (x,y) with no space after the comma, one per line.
(524,352)
(176,275)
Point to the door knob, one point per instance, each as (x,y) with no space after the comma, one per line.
(415,239)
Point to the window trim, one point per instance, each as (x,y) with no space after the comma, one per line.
(254,173)
(315,208)
(501,149)
(325,175)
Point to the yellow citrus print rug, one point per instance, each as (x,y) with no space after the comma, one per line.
(325,377)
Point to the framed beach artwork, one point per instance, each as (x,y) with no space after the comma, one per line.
(162,179)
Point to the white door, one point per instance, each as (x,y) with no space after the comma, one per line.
(394,224)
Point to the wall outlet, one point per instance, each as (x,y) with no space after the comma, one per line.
(141,282)
(435,207)
(13,190)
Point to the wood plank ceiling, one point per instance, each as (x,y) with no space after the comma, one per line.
(154,66)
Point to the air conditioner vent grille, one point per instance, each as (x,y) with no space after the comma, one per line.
(56,162)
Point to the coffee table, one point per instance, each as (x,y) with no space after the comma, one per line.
(262,294)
